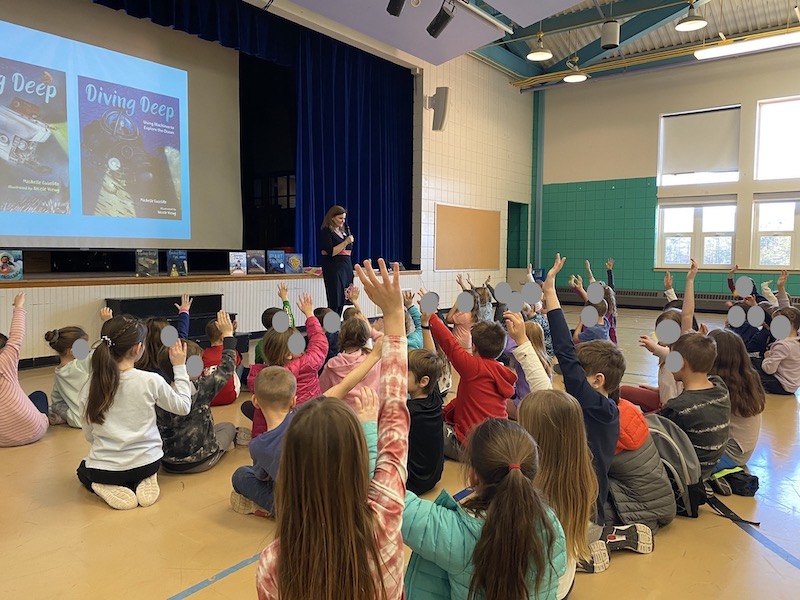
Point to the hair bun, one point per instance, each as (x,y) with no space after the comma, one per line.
(51,336)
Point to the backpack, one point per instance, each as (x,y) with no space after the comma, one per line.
(680,462)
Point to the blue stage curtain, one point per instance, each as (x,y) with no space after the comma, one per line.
(355,120)
(354,148)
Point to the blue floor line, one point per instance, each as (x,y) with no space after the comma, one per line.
(214,578)
(770,545)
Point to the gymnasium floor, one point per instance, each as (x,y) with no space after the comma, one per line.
(59,541)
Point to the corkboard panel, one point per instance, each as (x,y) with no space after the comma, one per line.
(466,238)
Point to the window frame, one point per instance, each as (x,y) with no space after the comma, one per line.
(757,144)
(793,234)
(697,235)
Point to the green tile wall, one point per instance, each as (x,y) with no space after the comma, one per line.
(616,218)
(517,244)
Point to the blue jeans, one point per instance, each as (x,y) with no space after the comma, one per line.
(248,485)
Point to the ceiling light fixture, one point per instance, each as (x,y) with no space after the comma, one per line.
(576,76)
(539,53)
(761,44)
(692,21)
(395,7)
(442,18)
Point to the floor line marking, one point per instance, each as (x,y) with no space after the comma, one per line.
(214,578)
(770,545)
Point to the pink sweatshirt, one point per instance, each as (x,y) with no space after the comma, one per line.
(462,330)
(20,421)
(387,489)
(340,366)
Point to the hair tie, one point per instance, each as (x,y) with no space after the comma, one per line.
(513,466)
(55,335)
(107,340)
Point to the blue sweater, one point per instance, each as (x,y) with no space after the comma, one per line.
(600,413)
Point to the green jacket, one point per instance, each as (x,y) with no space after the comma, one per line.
(443,536)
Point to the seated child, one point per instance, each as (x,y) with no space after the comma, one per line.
(413,322)
(703,408)
(485,384)
(71,374)
(353,338)
(266,321)
(425,440)
(155,325)
(525,343)
(212,358)
(592,372)
(194,443)
(535,313)
(333,338)
(586,332)
(23,418)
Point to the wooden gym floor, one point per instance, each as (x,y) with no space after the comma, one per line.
(60,541)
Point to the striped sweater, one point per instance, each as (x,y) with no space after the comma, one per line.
(20,421)
(386,498)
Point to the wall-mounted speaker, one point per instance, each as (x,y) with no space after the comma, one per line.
(438,102)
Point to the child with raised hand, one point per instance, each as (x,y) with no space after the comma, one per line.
(319,492)
(485,384)
(414,335)
(155,325)
(23,418)
(425,440)
(597,330)
(213,357)
(485,307)
(592,372)
(119,417)
(71,374)
(504,543)
(304,366)
(531,364)
(275,397)
(194,443)
(266,321)
(463,322)
(609,296)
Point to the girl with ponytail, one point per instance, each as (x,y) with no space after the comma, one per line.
(504,543)
(119,417)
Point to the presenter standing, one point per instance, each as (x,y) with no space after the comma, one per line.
(336,244)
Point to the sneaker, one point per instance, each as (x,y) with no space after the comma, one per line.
(244,506)
(598,562)
(638,538)
(116,496)
(243,436)
(720,486)
(147,491)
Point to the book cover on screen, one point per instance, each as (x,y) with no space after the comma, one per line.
(294,263)
(177,265)
(276,261)
(130,151)
(256,262)
(34,164)
(238,263)
(10,265)
(147,263)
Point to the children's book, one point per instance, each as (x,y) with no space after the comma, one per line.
(238,262)
(256,262)
(10,265)
(276,261)
(147,263)
(294,263)
(177,265)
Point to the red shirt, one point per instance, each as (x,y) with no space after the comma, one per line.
(212,357)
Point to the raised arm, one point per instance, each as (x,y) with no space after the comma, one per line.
(731,282)
(533,368)
(178,400)
(669,291)
(182,324)
(589,271)
(283,294)
(576,283)
(783,297)
(425,324)
(213,383)
(10,355)
(687,312)
(610,273)
(459,357)
(317,347)
(354,377)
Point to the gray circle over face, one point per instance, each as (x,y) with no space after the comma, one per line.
(736,316)
(755,316)
(744,286)
(465,302)
(194,366)
(280,321)
(429,303)
(297,343)
(781,327)
(532,293)
(503,292)
(515,302)
(596,292)
(331,322)
(169,336)
(589,316)
(674,361)
(80,349)
(668,332)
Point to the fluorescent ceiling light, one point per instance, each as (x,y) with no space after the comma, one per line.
(691,22)
(747,46)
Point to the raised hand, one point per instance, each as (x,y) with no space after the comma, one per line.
(106,314)
(186,303)
(692,273)
(283,292)
(589,271)
(488,280)
(782,279)
(733,270)
(19,300)
(460,281)
(610,264)
(647,343)
(366,405)
(177,353)
(550,281)
(224,324)
(408,299)
(469,281)
(667,280)
(354,294)
(384,292)
(306,305)
(516,327)
(573,281)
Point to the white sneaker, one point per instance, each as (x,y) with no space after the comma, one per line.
(116,496)
(147,491)
(243,436)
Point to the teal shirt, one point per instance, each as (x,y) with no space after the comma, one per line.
(415,337)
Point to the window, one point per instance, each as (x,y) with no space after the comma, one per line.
(699,147)
(776,223)
(778,139)
(703,232)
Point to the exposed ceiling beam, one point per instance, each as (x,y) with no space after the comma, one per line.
(507,61)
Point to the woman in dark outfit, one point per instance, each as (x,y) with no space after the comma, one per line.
(336,243)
